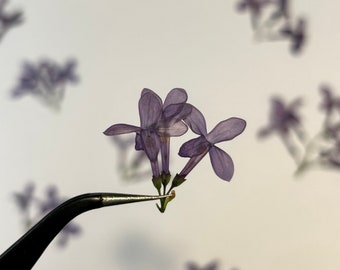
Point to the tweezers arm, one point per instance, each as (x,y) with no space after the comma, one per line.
(25,252)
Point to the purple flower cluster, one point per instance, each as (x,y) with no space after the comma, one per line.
(323,149)
(8,19)
(272,20)
(159,121)
(46,80)
(33,208)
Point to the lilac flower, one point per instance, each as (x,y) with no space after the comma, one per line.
(46,80)
(197,148)
(24,199)
(282,117)
(34,208)
(296,35)
(158,122)
(8,20)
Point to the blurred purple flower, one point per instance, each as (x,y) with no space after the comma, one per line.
(24,199)
(282,117)
(197,148)
(255,8)
(158,122)
(296,35)
(282,10)
(8,20)
(46,80)
(34,208)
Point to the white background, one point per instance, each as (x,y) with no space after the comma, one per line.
(263,219)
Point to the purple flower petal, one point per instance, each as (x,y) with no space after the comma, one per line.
(194,147)
(222,163)
(151,144)
(195,120)
(177,129)
(176,112)
(150,108)
(118,129)
(138,142)
(226,130)
(175,96)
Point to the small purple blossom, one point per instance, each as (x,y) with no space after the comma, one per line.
(24,199)
(46,80)
(296,35)
(34,208)
(8,19)
(160,121)
(282,117)
(255,7)
(197,148)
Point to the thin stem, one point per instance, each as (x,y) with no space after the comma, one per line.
(25,252)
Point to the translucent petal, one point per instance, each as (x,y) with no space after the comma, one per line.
(151,144)
(150,109)
(195,120)
(138,142)
(226,130)
(222,163)
(194,147)
(175,96)
(176,112)
(174,130)
(120,129)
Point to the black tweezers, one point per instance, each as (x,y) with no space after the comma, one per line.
(26,251)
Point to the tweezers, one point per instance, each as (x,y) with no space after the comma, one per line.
(26,251)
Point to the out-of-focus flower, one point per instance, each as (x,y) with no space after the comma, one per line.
(255,7)
(197,148)
(34,208)
(329,102)
(282,10)
(24,199)
(46,80)
(296,35)
(8,20)
(282,117)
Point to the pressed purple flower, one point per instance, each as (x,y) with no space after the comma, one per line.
(282,117)
(197,148)
(158,122)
